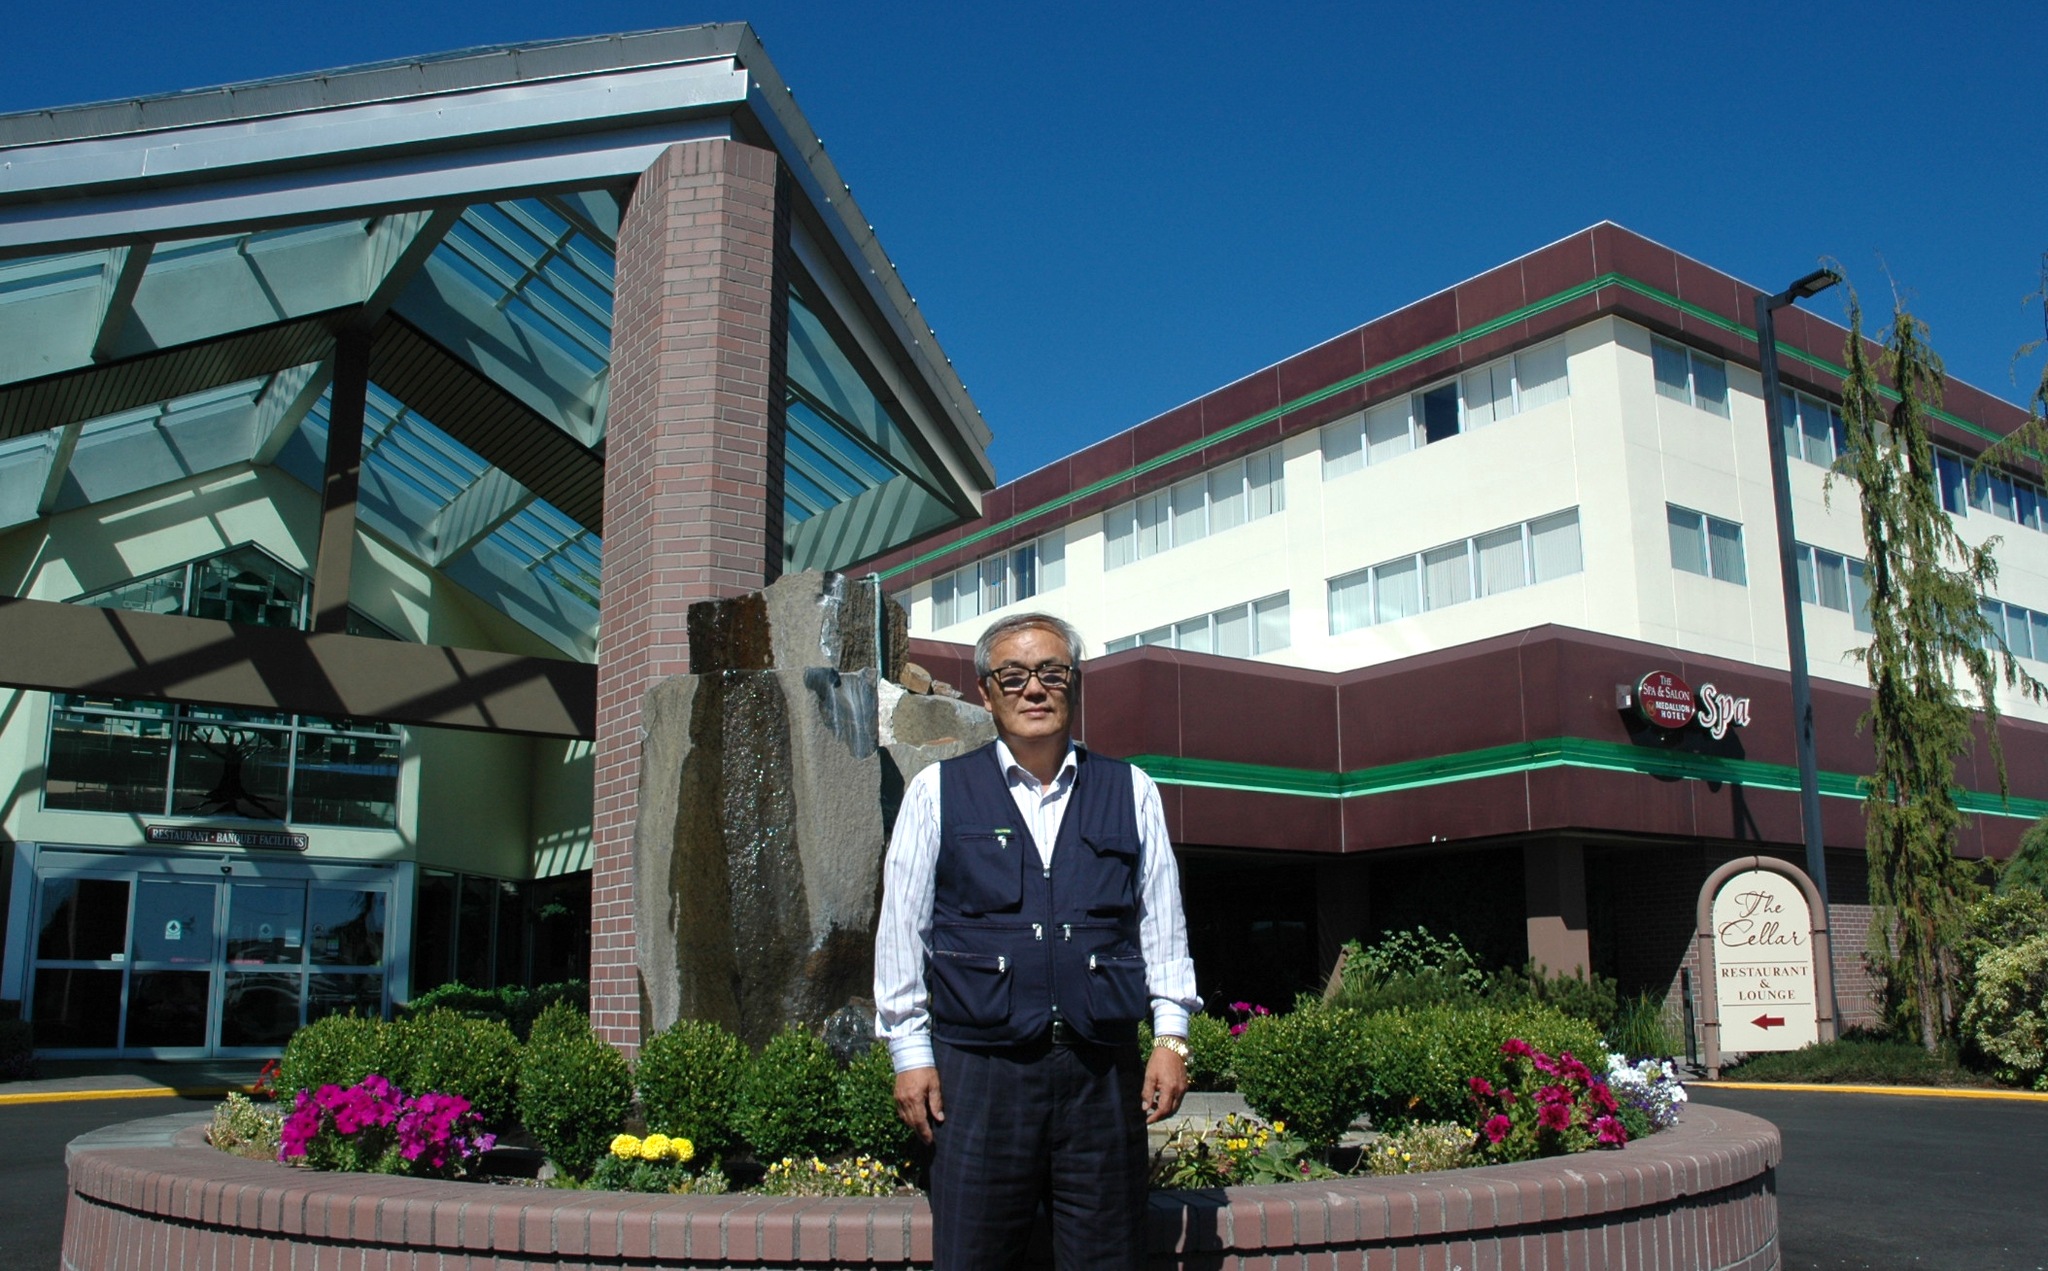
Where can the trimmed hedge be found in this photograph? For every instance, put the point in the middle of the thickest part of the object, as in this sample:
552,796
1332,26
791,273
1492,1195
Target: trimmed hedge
575,1091
1306,1068
689,1079
867,1104
789,1099
514,1006
1418,1059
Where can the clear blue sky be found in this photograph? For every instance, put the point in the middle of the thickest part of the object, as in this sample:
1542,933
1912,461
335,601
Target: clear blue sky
1106,210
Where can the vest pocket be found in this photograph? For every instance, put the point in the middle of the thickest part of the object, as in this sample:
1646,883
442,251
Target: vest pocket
1114,888
1116,987
969,988
983,873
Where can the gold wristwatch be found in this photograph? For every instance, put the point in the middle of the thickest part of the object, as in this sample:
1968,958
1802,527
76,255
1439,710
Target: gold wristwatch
1177,1045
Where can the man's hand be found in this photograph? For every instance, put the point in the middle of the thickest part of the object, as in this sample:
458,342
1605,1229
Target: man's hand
918,1102
1166,1080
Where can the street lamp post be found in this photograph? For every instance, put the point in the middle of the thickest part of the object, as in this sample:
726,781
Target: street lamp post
1788,572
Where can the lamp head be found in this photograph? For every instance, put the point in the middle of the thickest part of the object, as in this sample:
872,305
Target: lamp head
1813,284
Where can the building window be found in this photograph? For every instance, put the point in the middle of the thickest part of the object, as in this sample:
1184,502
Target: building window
1813,430
1834,581
1706,545
1988,490
171,759
1240,631
1534,377
1484,565
1690,377
1221,499
1021,573
2024,632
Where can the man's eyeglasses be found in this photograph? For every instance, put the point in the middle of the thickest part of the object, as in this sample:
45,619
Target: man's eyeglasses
1056,677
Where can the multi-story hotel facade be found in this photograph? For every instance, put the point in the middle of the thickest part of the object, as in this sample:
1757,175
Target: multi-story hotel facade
1373,617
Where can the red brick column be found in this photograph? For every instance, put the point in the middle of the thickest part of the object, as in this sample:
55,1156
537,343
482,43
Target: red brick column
692,481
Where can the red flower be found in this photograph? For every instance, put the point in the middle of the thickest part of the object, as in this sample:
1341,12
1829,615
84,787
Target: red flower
1604,1097
1496,1128
1554,1116
1516,1048
1610,1131
1481,1087
1550,1095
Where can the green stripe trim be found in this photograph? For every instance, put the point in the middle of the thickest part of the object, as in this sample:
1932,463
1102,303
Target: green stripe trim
1533,756
1306,400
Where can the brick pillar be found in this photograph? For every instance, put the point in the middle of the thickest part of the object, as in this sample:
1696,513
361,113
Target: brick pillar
693,488
1554,890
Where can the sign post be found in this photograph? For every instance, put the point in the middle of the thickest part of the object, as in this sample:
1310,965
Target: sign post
1763,942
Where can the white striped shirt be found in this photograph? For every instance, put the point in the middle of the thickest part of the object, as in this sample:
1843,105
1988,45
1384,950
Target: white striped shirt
909,877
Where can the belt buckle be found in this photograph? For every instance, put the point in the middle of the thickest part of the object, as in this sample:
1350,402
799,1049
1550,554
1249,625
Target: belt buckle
1062,1033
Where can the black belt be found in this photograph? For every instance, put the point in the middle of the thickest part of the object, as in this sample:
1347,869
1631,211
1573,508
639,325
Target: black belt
1063,1034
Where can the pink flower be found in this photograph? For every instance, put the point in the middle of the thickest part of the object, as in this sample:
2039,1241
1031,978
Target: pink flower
1235,1029
1516,1048
1573,1068
1554,1116
1610,1132
1545,1064
1481,1087
1496,1128
1604,1097
1552,1095
1242,1008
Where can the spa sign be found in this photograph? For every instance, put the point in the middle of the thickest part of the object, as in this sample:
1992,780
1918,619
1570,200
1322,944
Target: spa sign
1762,940
1666,701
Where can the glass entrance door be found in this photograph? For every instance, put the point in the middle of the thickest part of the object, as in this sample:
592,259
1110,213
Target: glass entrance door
175,963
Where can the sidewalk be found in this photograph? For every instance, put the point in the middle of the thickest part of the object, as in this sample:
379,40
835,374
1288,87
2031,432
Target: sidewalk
68,1080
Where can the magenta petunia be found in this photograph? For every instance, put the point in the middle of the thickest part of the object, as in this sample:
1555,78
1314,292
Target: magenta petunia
1516,1048
1497,1128
1610,1131
1554,1116
1481,1087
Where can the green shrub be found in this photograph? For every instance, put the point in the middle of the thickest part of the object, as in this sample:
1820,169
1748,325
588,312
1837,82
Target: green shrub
2028,867
1856,1059
1417,1149
1408,968
867,1105
243,1127
339,1050
2006,1017
1211,1054
1641,1031
514,1006
1419,1059
449,1053
1306,1069
689,1078
575,1090
789,1099
1593,998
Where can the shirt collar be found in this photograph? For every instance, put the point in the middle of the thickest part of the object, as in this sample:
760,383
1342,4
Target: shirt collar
1015,771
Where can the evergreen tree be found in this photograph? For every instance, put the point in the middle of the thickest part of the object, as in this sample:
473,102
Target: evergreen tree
1927,625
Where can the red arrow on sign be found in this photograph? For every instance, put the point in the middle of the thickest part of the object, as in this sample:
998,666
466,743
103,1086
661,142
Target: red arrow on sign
1769,1021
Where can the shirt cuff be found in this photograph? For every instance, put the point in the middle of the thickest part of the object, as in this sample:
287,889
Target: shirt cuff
1169,1019
915,1051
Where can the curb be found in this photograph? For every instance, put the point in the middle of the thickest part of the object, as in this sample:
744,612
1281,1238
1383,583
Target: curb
123,1092
1917,1092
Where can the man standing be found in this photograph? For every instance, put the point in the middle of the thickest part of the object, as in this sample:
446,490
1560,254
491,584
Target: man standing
1030,917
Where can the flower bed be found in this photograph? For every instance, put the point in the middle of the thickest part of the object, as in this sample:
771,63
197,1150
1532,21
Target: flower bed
153,1195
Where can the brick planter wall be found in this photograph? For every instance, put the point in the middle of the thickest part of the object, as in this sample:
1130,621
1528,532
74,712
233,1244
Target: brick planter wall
151,1196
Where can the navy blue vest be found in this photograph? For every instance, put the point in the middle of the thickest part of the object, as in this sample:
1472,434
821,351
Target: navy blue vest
1016,945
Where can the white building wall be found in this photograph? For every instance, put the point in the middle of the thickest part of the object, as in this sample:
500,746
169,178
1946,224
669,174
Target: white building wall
1614,448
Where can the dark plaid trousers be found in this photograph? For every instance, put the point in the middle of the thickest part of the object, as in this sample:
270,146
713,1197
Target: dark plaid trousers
1039,1123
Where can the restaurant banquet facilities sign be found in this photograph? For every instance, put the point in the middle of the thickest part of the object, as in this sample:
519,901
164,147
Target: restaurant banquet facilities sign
1763,944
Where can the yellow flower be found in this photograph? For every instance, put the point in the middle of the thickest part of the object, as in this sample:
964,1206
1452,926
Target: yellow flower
682,1149
1279,1127
625,1147
654,1147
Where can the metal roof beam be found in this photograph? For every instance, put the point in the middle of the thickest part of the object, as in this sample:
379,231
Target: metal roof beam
124,276
64,443
472,516
286,400
64,648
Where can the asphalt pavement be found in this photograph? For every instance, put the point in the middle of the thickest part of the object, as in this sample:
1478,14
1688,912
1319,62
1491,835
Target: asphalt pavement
1889,1182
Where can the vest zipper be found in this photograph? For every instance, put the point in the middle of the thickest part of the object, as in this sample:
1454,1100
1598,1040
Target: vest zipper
1037,931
